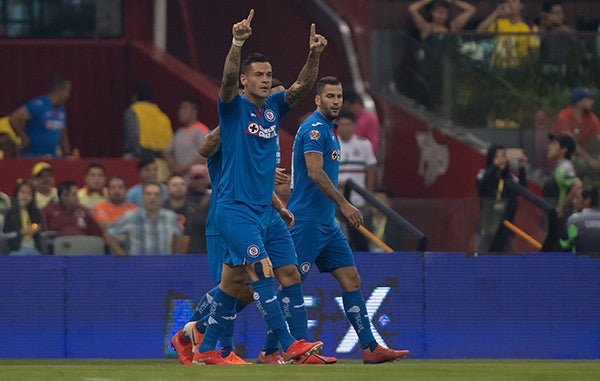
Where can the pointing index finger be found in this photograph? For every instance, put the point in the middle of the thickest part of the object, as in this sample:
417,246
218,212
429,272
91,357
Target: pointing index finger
250,16
312,30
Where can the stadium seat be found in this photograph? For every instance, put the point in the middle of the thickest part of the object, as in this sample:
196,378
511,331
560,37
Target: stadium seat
78,245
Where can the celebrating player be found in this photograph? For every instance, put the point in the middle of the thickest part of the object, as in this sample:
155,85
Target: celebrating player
317,237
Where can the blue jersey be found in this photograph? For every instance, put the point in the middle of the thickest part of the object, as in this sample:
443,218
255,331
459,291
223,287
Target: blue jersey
44,127
306,201
249,146
214,171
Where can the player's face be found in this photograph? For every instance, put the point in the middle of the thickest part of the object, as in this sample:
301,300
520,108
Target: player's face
117,191
329,102
64,94
257,81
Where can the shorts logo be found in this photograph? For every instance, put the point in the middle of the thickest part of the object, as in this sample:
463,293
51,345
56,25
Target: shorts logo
305,267
335,154
315,135
253,251
269,115
253,128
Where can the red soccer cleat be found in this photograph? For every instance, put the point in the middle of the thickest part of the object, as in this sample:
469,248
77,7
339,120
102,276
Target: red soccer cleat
211,357
300,349
381,354
183,347
271,358
317,359
234,359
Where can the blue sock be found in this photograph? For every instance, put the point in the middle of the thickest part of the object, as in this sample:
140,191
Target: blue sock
291,299
202,309
270,309
271,343
226,339
222,311
356,312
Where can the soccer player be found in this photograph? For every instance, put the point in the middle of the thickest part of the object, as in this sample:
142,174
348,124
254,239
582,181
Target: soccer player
317,237
249,128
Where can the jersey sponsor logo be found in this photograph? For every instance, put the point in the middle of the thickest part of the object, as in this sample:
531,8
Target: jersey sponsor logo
253,251
335,154
270,115
305,267
315,135
256,129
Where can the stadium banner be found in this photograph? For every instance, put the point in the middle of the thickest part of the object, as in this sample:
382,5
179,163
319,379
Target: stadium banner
438,305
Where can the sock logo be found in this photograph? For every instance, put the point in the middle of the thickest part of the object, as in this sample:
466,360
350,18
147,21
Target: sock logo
372,305
211,320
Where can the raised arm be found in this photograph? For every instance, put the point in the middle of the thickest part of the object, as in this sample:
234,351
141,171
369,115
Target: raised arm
18,119
231,70
467,11
314,165
484,26
308,75
422,25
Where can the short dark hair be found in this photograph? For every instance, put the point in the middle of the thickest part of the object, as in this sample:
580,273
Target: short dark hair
57,82
145,161
63,187
94,164
144,91
117,178
194,101
152,183
591,193
351,96
346,114
252,58
549,4
387,191
329,80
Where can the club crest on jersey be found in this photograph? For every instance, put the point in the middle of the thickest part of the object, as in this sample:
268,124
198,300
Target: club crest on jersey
256,129
335,154
253,251
269,115
315,135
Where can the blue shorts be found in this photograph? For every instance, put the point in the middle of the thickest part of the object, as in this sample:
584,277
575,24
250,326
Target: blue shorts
240,225
218,252
278,241
324,245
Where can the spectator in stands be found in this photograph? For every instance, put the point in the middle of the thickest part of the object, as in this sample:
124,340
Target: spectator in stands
191,216
366,122
9,141
199,184
24,222
43,181
497,201
148,170
94,190
42,122
578,121
556,41
147,129
562,186
383,228
514,40
553,17
68,216
357,162
182,151
583,227
436,18
150,229
107,212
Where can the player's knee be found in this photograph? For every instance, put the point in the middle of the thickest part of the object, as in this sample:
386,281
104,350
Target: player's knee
262,269
287,275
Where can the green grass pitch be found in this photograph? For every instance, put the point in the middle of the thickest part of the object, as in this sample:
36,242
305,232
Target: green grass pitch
413,370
